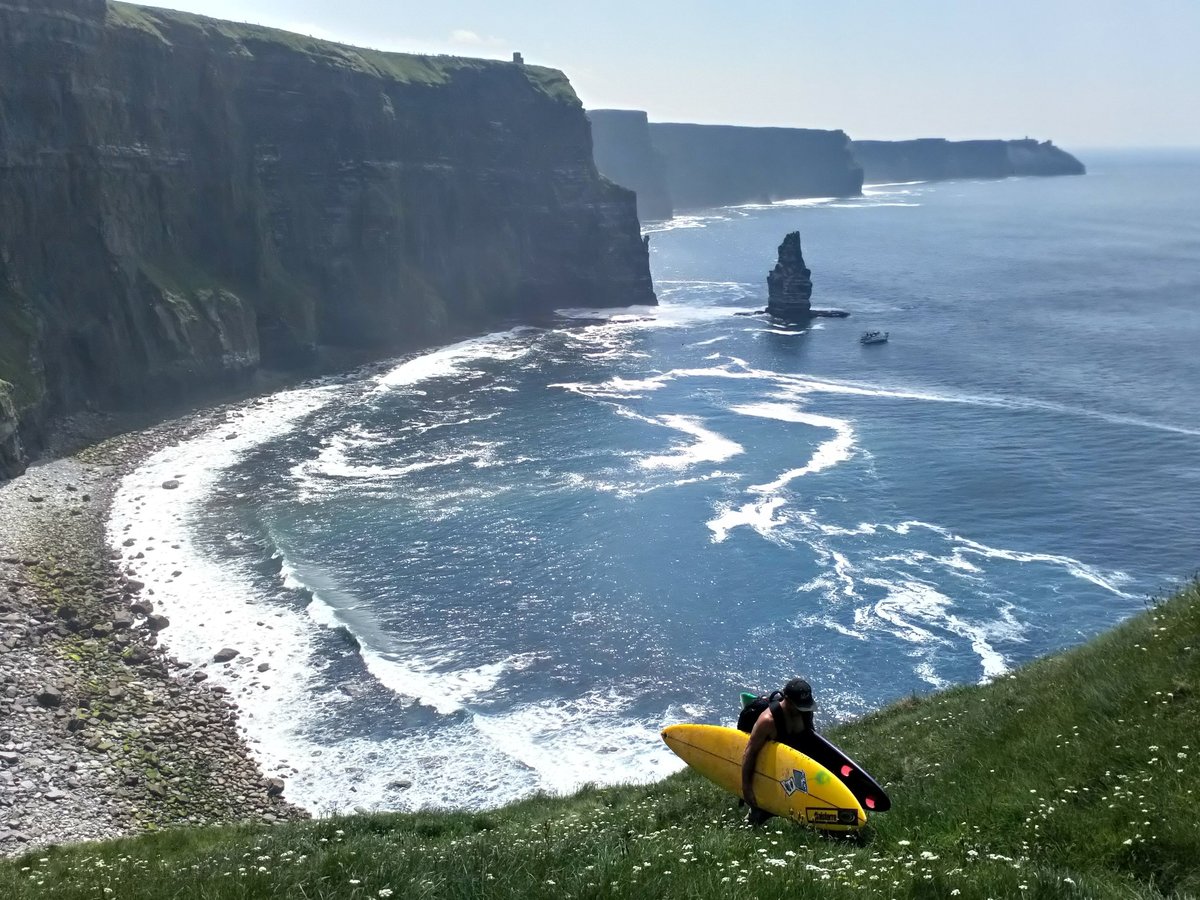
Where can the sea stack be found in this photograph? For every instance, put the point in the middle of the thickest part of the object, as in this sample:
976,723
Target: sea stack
789,286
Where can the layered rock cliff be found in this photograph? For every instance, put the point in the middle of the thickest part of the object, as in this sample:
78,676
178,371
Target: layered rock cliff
789,284
936,159
724,165
12,455
624,154
187,200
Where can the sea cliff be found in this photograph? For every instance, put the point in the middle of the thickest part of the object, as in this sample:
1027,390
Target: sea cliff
724,165
621,141
675,166
937,159
194,201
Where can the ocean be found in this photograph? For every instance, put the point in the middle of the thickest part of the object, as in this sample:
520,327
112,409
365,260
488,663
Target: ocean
502,566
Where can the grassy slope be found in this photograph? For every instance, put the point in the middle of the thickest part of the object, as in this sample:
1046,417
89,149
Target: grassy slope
407,68
1077,776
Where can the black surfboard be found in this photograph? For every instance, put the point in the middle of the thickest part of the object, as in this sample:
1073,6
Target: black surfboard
866,790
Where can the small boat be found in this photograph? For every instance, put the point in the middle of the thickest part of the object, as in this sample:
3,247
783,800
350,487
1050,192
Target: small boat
873,337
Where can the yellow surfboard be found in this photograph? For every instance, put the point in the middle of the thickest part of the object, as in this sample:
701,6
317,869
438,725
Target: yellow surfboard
786,782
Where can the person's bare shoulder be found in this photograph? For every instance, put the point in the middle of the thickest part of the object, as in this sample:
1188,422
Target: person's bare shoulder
764,728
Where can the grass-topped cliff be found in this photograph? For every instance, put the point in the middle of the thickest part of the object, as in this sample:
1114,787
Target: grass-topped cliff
195,201
168,26
1077,776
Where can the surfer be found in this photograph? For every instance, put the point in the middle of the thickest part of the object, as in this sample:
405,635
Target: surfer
785,716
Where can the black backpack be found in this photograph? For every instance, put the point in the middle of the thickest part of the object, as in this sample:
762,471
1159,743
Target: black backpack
752,710
755,708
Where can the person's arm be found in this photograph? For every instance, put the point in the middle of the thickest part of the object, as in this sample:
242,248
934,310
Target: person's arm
763,731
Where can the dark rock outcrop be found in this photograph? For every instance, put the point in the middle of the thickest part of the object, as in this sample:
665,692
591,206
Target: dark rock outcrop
936,159
724,165
194,200
624,154
789,285
12,456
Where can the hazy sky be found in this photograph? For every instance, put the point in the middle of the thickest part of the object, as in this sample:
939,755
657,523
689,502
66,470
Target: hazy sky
1086,73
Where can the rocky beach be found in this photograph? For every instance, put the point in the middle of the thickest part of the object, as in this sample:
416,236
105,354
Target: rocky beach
103,734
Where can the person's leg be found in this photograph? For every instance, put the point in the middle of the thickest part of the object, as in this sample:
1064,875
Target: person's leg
758,816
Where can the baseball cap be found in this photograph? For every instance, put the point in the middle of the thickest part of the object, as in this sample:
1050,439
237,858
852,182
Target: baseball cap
799,694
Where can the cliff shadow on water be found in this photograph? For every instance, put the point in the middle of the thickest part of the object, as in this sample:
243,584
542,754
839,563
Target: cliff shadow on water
197,200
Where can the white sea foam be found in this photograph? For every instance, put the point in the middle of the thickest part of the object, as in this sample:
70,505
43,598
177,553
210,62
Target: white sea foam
791,202
682,222
1108,581
837,449
628,489
540,737
927,673
758,516
616,388
435,682
878,186
869,204
911,608
708,446
627,319
451,361
207,606
917,612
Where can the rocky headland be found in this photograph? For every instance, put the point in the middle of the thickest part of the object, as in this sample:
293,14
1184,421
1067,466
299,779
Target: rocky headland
683,166
201,201
937,159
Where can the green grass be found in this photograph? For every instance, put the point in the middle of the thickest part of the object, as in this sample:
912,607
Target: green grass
242,39
1076,776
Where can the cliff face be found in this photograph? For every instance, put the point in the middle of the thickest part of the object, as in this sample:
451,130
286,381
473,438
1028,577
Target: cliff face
624,154
723,165
11,454
191,199
936,159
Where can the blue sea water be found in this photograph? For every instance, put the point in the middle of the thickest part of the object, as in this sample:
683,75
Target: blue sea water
504,565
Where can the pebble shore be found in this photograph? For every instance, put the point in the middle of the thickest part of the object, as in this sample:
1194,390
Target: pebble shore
98,737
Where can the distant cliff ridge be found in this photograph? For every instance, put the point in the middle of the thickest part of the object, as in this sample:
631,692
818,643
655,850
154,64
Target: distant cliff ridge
624,154
724,165
188,200
936,159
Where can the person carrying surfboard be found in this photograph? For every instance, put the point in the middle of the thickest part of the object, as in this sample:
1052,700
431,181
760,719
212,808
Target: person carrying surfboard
786,718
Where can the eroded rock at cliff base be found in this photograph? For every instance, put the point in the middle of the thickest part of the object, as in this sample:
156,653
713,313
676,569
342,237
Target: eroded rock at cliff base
789,285
12,456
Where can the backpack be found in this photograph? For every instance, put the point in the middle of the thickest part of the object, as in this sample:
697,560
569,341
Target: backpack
755,708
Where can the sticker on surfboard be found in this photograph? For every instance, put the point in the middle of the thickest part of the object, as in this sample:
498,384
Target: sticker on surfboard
798,782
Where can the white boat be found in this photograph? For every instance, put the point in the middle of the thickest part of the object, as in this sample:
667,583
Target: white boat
873,337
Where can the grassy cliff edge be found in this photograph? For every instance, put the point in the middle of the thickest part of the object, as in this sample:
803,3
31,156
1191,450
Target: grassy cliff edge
240,38
1075,776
